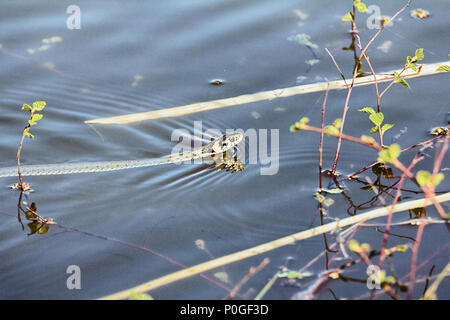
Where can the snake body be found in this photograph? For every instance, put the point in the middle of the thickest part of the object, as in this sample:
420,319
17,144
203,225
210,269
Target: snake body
217,146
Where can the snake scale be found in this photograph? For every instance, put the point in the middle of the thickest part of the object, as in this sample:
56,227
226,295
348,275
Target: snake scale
217,146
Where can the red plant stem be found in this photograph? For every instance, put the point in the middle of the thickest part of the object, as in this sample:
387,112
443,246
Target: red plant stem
389,219
321,138
380,132
440,157
337,67
355,71
415,252
19,172
403,150
373,145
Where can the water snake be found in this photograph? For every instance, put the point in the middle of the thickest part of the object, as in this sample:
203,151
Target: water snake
217,146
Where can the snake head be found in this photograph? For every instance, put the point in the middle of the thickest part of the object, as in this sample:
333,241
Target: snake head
226,142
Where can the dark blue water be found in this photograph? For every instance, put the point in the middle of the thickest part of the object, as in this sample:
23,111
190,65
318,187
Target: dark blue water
140,56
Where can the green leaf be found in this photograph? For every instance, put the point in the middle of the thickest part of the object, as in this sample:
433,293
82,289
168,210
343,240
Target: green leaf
328,202
361,7
222,276
347,17
412,66
333,190
139,296
30,214
389,279
367,110
29,135
291,274
444,68
377,118
386,127
366,188
43,229
374,130
353,245
332,130
381,169
368,139
36,117
402,81
337,123
299,125
390,154
437,179
26,107
423,178
39,105
319,197
419,54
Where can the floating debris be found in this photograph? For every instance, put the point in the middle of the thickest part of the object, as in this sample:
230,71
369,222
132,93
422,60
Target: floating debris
420,13
300,79
200,244
48,65
303,38
51,40
216,82
256,115
26,187
44,47
279,109
312,62
385,46
137,78
301,15
46,44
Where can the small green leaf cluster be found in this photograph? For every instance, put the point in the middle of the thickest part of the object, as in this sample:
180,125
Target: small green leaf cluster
298,126
34,117
398,248
389,154
326,201
381,278
35,225
333,128
377,119
292,274
358,5
444,68
410,61
354,246
426,179
410,64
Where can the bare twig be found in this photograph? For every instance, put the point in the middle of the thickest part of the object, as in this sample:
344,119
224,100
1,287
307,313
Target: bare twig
251,272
